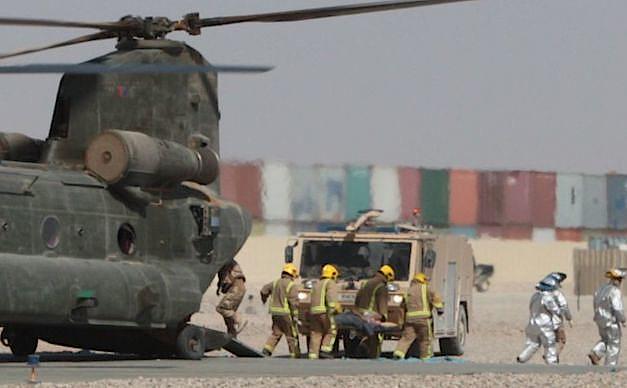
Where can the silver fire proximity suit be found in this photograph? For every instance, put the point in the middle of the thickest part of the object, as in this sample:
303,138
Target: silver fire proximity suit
608,315
541,327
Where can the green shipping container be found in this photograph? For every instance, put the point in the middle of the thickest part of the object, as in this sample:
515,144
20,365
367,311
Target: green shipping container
357,190
434,194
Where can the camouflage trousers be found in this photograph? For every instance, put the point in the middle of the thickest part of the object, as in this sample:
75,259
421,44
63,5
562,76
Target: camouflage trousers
419,331
228,307
322,334
283,325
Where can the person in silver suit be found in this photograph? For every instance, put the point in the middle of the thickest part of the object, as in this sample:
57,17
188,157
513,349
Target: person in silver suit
609,316
559,320
541,327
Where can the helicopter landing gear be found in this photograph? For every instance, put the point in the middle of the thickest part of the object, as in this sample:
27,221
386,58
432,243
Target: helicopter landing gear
21,342
190,343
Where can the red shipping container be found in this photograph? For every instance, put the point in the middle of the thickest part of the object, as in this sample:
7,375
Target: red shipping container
490,231
464,197
491,197
241,183
517,232
542,199
517,209
564,234
409,185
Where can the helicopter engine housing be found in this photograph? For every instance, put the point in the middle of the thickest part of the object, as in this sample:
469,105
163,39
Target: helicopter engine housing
136,159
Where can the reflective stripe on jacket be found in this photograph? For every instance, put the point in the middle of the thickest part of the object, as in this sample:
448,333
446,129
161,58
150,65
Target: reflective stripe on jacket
419,301
284,299
324,297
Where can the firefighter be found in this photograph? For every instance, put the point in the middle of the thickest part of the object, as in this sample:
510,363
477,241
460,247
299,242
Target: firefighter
541,328
560,333
231,283
284,310
609,316
372,305
419,302
324,305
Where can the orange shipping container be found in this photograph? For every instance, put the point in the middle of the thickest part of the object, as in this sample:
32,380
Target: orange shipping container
464,197
409,184
563,234
241,183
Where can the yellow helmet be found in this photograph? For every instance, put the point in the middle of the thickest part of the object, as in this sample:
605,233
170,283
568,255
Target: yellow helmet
330,272
388,272
615,273
290,269
421,277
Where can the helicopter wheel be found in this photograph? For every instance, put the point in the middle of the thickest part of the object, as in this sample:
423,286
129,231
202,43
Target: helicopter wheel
21,342
190,343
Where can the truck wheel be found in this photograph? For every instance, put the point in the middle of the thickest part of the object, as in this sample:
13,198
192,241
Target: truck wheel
190,343
22,343
454,346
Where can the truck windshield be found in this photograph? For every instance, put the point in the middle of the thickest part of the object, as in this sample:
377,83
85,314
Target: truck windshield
355,260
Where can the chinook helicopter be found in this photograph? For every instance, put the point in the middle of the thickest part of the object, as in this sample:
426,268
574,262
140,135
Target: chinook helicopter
112,229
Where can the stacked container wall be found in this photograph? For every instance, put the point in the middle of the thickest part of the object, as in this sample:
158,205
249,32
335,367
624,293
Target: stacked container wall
594,202
491,201
434,195
409,183
569,197
305,185
517,204
332,193
386,193
357,190
617,201
542,193
241,183
276,192
463,197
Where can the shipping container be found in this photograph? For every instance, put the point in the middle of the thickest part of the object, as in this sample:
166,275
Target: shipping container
569,197
569,234
466,231
241,183
386,193
409,184
542,199
594,211
304,193
490,231
434,195
276,192
463,197
278,229
332,194
617,201
543,235
517,232
357,190
491,197
517,204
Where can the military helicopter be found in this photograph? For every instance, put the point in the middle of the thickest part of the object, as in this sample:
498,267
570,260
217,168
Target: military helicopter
112,229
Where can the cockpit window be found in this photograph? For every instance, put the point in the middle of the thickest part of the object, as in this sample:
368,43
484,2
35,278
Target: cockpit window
355,260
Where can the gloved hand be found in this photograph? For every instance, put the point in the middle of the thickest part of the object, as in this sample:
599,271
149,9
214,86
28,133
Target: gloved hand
218,291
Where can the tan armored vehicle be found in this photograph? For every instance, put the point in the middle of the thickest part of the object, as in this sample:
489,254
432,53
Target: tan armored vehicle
360,250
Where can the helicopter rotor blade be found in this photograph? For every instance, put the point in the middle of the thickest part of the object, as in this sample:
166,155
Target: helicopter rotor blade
324,12
81,39
130,68
108,26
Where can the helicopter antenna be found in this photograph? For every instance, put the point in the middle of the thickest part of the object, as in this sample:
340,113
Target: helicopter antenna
131,27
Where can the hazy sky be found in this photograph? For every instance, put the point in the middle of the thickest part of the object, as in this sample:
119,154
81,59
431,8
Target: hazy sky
528,84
